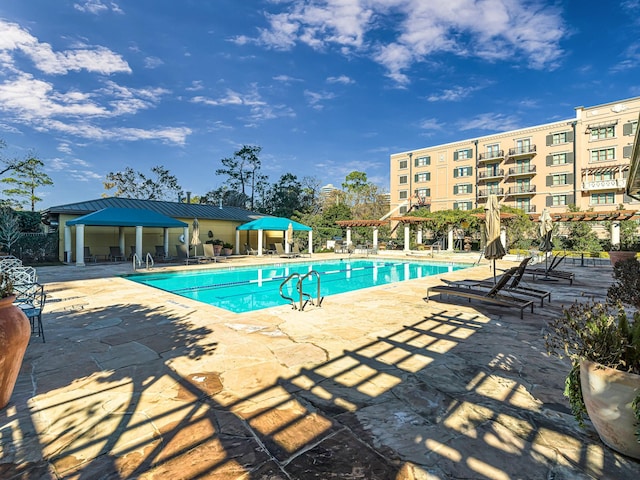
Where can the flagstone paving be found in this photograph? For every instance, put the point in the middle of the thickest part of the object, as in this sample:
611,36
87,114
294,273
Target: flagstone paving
376,384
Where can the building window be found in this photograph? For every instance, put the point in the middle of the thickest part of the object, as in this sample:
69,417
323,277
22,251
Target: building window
559,179
603,132
423,192
599,177
559,159
629,128
422,161
403,164
462,188
403,210
423,177
607,198
604,154
403,195
463,154
558,200
523,204
462,205
558,138
403,179
493,151
462,172
523,145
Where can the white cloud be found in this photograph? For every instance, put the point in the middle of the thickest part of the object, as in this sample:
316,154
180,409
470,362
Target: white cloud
431,124
495,122
340,79
97,7
97,59
153,62
400,33
287,79
453,94
315,98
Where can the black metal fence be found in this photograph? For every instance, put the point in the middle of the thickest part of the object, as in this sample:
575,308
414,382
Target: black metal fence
33,248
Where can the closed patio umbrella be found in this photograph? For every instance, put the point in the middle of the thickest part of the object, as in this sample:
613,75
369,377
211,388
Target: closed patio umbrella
195,237
546,231
290,234
494,248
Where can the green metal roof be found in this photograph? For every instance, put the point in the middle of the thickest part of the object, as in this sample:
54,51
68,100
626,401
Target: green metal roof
273,223
127,217
170,209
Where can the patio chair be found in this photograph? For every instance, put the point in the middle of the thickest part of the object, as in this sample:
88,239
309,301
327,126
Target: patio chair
550,271
250,251
493,296
30,298
209,253
281,253
296,251
515,286
88,257
115,254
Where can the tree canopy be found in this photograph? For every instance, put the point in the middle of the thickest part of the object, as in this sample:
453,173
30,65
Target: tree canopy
131,184
27,176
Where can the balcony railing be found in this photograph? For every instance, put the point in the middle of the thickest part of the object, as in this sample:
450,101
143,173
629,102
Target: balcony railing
522,151
522,170
497,173
615,183
485,192
521,190
493,155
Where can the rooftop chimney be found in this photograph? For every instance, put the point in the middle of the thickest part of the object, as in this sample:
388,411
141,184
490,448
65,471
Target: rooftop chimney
188,197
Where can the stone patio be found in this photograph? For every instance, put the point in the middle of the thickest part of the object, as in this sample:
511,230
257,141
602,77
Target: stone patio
377,384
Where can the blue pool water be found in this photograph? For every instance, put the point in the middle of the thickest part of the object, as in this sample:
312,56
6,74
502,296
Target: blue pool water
245,289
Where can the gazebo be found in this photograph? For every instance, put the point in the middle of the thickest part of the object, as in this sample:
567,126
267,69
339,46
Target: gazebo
273,224
120,217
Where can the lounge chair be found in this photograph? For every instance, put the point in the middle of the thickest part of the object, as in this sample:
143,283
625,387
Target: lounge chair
160,254
515,286
250,251
209,253
183,254
88,257
296,251
115,254
493,296
550,271
280,251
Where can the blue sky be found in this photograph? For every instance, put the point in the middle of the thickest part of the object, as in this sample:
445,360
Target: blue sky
324,87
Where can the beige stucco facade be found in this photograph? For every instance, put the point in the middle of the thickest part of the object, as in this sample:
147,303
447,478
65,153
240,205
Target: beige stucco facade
582,160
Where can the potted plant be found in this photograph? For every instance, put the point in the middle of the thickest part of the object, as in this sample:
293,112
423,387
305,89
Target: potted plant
603,344
227,249
15,331
217,246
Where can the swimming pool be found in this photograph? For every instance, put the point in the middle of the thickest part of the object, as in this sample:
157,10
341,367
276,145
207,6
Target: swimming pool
245,289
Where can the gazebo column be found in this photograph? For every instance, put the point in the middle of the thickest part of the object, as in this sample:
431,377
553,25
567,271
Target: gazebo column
450,239
348,236
165,242
237,242
419,235
185,233
121,241
615,233
260,242
375,239
407,237
67,244
79,245
310,242
139,242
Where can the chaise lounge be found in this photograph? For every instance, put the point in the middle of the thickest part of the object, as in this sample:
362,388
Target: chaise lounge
492,296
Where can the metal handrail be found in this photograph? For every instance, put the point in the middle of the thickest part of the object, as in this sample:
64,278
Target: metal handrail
318,297
284,282
135,260
149,258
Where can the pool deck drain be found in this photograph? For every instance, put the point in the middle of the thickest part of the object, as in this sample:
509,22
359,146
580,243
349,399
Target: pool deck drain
376,384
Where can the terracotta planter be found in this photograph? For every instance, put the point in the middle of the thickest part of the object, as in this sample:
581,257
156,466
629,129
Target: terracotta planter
15,331
619,256
227,252
608,394
217,249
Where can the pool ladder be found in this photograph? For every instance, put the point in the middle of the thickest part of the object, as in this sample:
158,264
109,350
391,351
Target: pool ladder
304,297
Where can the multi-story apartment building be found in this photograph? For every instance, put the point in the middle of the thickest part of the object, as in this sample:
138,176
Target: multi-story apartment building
582,161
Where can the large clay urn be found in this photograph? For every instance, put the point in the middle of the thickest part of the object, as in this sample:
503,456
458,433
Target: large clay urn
608,394
15,332
616,256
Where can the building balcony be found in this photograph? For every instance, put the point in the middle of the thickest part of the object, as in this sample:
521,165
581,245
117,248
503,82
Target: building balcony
615,184
490,174
491,156
521,190
522,152
485,192
522,171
